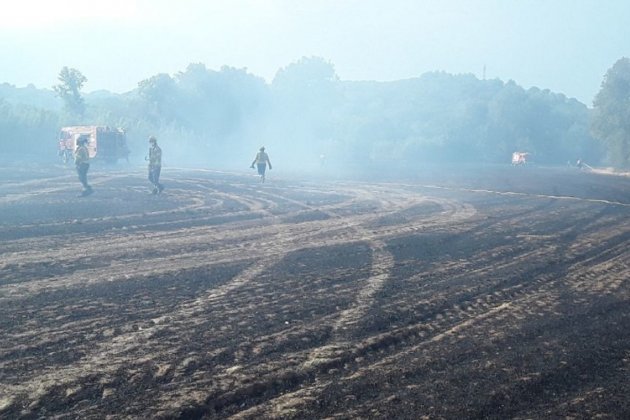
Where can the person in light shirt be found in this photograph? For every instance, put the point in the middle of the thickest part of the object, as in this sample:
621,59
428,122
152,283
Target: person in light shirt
82,163
261,161
155,165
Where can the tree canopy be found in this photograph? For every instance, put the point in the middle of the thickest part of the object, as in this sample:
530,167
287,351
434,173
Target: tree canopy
216,116
611,116
69,90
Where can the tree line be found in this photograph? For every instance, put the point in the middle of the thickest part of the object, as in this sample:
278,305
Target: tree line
306,112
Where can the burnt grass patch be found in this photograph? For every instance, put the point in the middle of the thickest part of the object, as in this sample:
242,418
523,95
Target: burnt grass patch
406,215
96,313
520,311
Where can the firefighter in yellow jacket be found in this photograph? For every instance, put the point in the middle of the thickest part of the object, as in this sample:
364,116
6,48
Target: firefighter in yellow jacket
155,165
261,160
82,163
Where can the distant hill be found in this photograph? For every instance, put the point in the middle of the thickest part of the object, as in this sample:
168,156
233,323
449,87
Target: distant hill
30,95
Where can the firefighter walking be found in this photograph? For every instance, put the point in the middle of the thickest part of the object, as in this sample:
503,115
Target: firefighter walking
155,165
82,163
261,160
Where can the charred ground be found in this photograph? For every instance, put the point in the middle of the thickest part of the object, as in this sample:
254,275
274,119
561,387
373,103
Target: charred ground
497,292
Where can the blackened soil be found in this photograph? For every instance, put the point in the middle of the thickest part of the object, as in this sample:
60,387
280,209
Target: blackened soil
493,292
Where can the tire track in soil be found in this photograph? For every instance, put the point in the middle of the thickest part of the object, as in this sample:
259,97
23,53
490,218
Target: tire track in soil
535,299
15,197
120,344
326,355
468,313
187,311
338,349
110,246
401,343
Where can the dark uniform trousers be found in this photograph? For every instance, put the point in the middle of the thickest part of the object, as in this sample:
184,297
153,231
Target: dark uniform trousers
82,170
154,175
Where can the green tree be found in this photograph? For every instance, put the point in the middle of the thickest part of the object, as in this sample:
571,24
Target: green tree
305,97
25,129
306,71
611,113
69,90
160,94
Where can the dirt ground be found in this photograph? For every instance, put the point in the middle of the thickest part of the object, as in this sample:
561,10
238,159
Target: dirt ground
493,292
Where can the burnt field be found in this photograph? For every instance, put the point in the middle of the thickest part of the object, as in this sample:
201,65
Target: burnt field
499,292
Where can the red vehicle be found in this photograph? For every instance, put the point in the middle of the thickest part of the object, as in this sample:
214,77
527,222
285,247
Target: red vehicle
104,143
519,158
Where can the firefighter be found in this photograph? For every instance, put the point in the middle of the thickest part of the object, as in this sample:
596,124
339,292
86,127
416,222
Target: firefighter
82,163
155,165
261,160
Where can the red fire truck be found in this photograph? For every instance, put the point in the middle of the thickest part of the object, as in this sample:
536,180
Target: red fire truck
519,158
104,143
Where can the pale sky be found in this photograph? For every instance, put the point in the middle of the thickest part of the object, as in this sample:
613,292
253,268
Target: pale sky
562,45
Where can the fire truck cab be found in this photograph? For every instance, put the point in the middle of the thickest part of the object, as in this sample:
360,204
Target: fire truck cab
104,143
